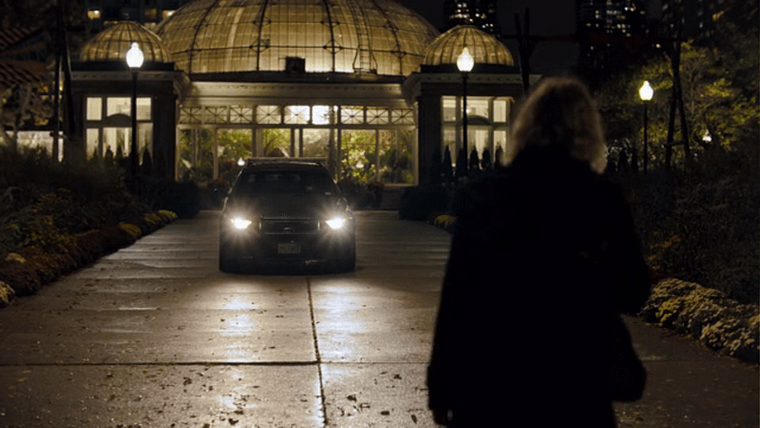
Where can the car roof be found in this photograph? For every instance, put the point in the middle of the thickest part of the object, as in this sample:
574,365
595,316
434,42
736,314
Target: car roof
280,165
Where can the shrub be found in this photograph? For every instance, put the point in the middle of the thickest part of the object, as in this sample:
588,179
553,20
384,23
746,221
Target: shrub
701,224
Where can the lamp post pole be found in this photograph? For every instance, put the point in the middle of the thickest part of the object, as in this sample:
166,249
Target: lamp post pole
645,93
134,61
465,63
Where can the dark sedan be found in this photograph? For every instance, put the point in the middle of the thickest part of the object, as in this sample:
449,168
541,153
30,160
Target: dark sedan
286,213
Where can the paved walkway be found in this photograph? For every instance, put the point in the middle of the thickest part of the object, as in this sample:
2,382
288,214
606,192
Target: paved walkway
155,336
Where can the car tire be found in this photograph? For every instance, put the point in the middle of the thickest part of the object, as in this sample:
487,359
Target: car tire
347,261
227,261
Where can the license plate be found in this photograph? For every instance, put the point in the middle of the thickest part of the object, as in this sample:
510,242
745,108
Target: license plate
288,248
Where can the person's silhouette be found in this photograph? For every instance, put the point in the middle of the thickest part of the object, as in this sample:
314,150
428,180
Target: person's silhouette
544,260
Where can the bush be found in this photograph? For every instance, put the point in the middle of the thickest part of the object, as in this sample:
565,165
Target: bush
56,217
701,224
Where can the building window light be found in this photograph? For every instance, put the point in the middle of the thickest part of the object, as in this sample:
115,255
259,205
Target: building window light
93,14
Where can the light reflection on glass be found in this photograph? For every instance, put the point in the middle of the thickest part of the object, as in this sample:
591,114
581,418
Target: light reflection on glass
321,115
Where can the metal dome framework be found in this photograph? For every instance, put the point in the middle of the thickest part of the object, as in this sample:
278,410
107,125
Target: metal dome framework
484,48
338,36
112,44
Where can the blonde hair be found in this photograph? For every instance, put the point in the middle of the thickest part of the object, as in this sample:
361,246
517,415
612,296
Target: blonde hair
560,112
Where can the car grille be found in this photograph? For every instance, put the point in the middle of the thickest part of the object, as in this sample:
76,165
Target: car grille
289,226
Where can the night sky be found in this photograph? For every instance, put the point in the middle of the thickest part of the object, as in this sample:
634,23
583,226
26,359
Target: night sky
547,17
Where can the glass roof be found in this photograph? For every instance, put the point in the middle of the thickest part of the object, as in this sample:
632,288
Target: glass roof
344,36
484,48
113,43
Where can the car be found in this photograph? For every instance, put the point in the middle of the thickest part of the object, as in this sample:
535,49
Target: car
286,213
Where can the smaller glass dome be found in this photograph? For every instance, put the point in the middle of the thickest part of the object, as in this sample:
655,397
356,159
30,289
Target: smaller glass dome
484,48
113,43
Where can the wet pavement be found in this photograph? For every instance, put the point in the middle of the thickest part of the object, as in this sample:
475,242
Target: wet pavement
155,336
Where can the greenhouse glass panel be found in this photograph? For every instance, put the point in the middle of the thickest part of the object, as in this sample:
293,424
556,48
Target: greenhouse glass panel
94,108
402,116
196,156
232,145
449,105
352,115
500,110
316,143
297,114
378,115
118,105
396,156
143,108
93,143
275,142
359,155
268,114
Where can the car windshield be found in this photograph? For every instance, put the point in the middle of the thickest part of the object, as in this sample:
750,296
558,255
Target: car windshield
290,182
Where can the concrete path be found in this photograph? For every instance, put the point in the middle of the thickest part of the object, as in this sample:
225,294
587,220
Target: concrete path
155,336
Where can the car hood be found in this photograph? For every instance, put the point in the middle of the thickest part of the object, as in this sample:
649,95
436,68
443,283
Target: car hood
286,205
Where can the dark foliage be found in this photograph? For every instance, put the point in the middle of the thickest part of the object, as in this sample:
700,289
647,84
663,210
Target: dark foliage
701,224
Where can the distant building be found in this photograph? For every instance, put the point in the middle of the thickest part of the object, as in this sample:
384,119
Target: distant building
603,25
368,85
102,13
480,13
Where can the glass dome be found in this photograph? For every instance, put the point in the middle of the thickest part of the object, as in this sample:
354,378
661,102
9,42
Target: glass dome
484,48
113,43
343,36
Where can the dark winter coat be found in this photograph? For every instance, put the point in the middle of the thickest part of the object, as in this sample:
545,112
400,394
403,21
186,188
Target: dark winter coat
545,257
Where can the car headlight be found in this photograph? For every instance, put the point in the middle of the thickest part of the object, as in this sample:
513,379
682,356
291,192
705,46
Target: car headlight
336,223
240,223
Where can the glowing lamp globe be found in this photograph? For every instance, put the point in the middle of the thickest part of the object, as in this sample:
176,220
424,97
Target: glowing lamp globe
465,61
134,56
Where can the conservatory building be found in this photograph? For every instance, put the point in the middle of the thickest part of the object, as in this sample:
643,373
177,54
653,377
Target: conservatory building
368,85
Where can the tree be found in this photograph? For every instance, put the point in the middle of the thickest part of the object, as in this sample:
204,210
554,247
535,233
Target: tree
714,105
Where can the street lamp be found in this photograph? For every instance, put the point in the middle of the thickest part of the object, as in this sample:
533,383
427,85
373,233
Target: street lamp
134,61
465,64
645,93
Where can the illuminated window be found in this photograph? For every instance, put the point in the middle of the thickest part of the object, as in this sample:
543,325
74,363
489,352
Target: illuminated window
449,109
500,110
93,143
93,14
268,114
122,105
297,114
117,106
94,108
352,115
320,115
241,114
402,116
143,108
377,115
166,13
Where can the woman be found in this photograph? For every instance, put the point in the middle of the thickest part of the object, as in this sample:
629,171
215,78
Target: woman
544,260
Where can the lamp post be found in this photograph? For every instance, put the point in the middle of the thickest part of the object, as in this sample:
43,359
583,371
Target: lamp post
645,93
134,61
464,64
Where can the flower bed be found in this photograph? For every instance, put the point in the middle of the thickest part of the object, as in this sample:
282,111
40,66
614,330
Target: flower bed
23,272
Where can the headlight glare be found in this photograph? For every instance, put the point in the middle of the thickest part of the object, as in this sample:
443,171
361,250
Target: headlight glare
240,223
336,223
